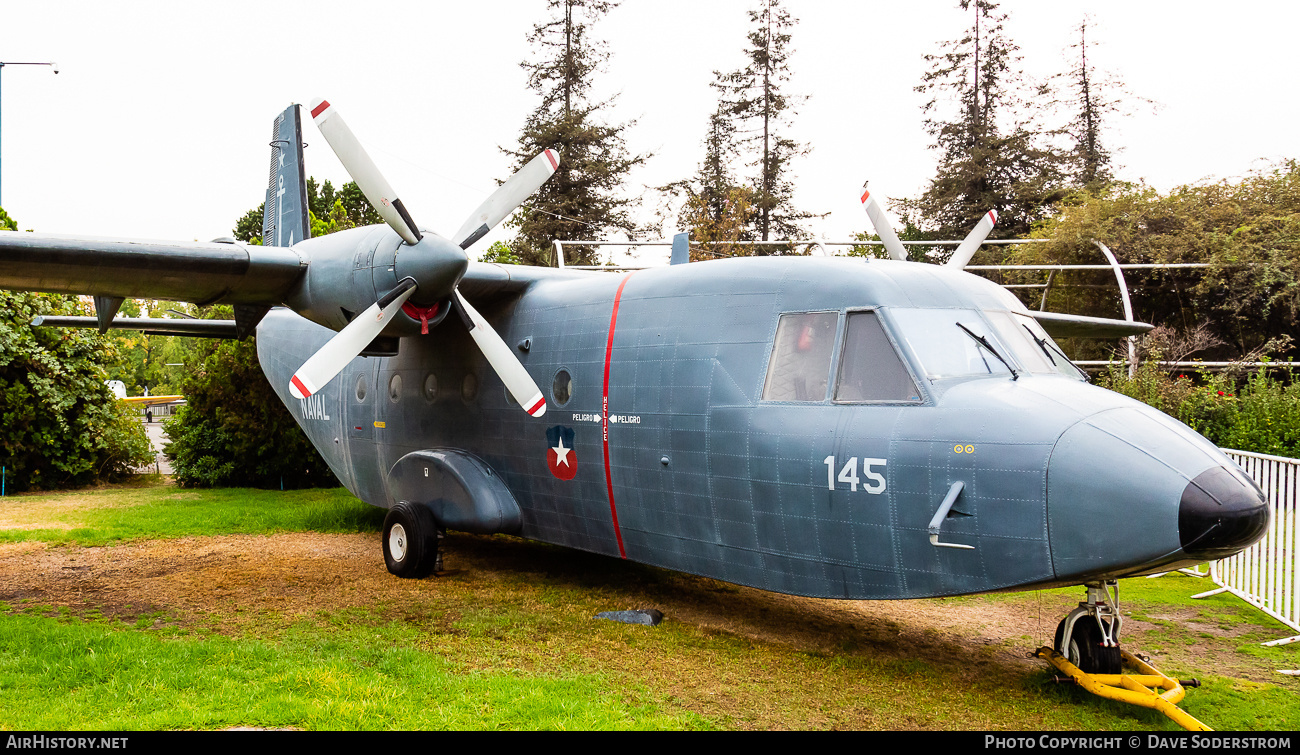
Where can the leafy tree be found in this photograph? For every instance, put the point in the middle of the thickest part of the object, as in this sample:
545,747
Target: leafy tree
501,253
987,160
345,208
329,210
7,223
759,111
1248,230
582,199
248,228
59,424
234,430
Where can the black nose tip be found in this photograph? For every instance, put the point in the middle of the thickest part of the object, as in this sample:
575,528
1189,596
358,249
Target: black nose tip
1220,514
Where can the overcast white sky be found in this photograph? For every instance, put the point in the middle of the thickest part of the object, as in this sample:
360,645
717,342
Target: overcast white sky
157,125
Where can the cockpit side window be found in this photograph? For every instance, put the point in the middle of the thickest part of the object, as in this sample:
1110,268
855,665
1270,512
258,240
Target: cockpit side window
870,368
801,357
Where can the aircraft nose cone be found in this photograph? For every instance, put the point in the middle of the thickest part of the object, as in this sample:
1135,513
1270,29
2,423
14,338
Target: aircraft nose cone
1220,513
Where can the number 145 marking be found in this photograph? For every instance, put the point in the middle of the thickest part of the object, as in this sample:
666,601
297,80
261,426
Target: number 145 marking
872,482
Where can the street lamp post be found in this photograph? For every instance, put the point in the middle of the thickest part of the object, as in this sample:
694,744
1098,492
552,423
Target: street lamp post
3,63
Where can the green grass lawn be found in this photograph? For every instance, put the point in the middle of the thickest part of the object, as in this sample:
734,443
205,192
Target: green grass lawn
116,514
508,642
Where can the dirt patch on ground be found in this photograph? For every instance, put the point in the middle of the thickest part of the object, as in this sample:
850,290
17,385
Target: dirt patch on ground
247,585
224,581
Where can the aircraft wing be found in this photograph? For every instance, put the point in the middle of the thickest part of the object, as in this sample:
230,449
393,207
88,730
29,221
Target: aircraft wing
487,280
1078,326
203,273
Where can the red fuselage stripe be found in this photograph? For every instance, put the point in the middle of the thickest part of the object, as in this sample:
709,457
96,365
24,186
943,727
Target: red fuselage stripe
604,416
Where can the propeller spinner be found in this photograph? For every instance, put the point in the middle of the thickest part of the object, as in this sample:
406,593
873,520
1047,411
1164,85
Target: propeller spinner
431,267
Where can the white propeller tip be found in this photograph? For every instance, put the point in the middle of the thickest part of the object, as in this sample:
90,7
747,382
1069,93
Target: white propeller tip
537,407
319,106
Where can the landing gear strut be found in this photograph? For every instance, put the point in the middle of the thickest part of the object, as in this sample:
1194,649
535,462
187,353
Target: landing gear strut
1088,636
1087,649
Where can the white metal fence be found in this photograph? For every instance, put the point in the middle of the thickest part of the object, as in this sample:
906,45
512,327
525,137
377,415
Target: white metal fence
1267,574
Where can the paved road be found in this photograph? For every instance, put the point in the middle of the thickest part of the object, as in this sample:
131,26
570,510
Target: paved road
158,438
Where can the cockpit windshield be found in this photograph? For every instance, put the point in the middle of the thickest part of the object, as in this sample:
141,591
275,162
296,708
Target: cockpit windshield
942,348
1031,345
936,337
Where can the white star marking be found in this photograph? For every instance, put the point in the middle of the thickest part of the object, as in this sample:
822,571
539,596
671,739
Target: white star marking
561,453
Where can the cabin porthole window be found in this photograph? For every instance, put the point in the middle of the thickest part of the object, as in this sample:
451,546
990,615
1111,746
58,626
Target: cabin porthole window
395,388
562,387
361,388
430,387
469,387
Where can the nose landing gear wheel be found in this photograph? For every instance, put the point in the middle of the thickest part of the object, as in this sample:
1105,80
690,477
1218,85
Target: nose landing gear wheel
1086,649
410,541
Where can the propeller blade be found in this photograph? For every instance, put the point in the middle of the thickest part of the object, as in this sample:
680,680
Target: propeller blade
344,347
971,243
883,229
363,170
507,197
503,360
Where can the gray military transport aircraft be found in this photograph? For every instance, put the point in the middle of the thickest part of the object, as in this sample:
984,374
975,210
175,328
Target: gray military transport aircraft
828,427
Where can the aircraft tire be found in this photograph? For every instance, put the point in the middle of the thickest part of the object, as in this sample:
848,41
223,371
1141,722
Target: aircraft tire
410,540
1086,650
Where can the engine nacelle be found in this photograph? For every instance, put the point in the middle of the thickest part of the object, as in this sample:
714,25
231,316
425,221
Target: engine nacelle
350,270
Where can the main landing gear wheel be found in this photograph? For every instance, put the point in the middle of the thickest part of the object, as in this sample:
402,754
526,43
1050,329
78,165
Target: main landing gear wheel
410,541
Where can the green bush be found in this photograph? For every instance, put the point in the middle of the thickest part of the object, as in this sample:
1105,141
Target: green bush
1259,413
235,432
60,426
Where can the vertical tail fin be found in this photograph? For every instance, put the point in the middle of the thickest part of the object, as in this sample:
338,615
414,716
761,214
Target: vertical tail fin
285,221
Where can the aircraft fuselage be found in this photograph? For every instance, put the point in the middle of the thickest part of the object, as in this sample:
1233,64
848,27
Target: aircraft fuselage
683,443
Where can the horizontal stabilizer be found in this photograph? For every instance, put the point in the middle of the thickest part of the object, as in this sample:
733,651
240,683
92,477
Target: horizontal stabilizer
1078,326
154,326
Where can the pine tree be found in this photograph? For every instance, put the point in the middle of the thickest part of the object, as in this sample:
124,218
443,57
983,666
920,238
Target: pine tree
582,199
1091,98
760,111
716,209
989,160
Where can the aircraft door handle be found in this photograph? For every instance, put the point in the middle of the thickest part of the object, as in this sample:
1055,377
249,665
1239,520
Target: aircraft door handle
937,520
